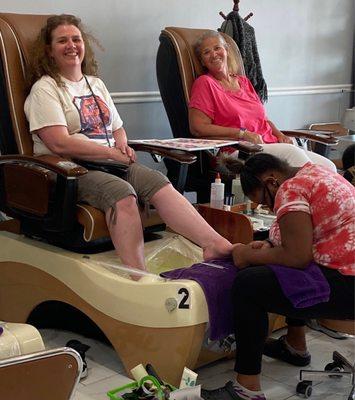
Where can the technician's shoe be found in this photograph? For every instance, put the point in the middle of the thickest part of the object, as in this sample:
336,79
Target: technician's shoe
278,349
228,392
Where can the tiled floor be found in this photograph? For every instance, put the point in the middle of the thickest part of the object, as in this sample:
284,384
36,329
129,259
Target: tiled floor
278,379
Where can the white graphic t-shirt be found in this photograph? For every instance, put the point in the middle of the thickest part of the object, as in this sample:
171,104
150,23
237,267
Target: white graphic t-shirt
73,106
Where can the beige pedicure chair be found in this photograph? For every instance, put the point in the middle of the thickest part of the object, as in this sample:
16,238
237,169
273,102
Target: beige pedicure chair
150,320
54,250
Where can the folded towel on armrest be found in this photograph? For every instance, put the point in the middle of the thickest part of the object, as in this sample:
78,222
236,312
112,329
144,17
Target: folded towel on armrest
303,287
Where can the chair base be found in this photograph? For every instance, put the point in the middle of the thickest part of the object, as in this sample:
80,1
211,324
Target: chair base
340,367
133,343
133,316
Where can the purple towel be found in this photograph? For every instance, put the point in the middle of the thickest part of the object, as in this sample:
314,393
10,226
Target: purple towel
303,288
217,286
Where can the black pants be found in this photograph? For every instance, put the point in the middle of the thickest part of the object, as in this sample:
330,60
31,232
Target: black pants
257,291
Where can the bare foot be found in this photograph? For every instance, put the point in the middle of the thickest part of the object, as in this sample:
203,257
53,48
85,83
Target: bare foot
217,250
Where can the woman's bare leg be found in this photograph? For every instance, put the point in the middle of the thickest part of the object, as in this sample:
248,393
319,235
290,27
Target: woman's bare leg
182,217
296,337
251,382
126,232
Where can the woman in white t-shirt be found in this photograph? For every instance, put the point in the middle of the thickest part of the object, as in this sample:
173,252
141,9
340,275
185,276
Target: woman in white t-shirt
71,114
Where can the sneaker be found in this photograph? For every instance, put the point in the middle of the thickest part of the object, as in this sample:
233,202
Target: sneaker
81,348
84,371
278,349
229,392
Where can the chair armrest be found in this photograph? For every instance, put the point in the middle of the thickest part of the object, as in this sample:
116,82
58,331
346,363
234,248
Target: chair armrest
61,166
184,157
316,136
32,198
240,145
248,147
336,128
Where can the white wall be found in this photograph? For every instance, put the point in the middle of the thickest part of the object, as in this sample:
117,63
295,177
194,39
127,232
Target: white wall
302,43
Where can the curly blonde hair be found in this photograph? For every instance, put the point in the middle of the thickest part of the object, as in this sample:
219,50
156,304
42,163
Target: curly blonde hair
42,64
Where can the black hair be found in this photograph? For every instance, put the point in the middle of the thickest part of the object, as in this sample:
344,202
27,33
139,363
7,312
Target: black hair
251,170
348,157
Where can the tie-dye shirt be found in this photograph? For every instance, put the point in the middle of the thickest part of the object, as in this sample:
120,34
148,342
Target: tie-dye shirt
330,201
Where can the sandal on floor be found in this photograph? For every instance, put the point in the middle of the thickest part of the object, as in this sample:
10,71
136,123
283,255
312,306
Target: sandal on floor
81,348
277,348
224,393
227,392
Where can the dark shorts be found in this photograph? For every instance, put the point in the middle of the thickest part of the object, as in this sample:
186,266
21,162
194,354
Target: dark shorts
102,190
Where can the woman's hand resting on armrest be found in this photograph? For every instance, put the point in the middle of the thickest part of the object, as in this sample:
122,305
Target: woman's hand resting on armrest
117,155
251,137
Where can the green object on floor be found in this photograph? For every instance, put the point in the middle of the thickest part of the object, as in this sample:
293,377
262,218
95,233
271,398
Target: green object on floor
118,393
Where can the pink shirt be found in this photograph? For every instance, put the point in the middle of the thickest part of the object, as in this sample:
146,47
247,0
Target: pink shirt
330,201
234,109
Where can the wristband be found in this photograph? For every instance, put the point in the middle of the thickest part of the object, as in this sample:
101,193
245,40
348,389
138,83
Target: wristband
242,133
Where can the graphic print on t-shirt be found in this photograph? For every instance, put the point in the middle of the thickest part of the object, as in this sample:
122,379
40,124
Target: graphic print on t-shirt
90,120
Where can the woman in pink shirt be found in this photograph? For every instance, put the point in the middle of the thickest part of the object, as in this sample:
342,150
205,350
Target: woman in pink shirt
312,241
225,104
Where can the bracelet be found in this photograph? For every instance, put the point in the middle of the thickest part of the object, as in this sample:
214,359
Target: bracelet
269,241
242,133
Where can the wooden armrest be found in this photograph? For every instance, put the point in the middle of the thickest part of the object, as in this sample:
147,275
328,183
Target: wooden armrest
241,145
336,128
181,156
316,136
56,164
248,147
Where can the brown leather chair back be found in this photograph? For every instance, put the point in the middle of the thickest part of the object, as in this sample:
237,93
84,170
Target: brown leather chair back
17,33
190,67
177,68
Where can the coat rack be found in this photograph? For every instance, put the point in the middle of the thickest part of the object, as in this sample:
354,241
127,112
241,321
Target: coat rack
236,9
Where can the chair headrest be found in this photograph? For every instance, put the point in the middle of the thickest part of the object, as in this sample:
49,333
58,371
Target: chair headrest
26,28
183,40
17,34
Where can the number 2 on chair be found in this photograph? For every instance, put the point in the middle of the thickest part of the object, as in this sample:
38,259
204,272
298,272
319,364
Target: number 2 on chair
184,297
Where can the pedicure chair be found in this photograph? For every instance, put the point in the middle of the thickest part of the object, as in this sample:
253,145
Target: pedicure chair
55,250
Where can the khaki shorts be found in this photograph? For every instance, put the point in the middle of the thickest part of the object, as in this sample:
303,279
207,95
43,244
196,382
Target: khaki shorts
102,190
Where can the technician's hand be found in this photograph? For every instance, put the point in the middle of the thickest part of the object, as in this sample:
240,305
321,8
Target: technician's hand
259,244
252,137
241,255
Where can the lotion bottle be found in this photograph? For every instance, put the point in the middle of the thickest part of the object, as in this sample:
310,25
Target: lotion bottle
217,193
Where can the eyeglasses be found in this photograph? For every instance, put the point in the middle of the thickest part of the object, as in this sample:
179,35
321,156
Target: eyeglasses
264,199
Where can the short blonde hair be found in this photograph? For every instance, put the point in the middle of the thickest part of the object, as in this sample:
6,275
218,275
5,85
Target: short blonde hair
233,65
